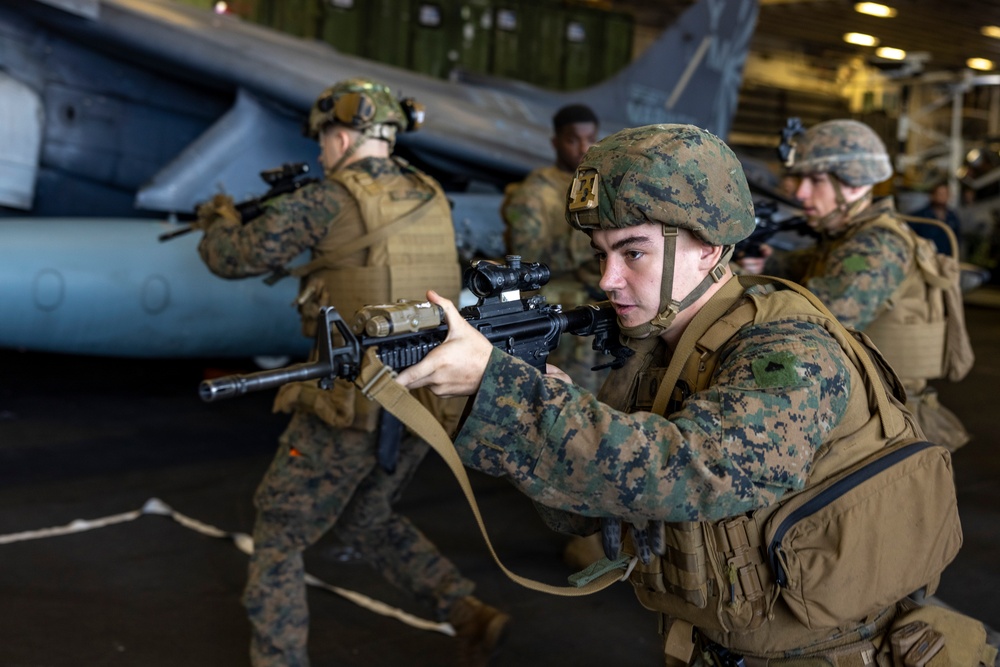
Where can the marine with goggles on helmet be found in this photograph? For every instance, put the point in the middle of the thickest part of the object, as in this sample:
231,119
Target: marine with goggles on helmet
378,230
742,393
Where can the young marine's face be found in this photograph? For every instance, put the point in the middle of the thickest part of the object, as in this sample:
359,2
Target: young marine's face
632,265
817,195
572,142
819,199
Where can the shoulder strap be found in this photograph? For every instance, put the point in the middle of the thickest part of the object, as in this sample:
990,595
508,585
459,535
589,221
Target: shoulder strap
934,222
330,261
377,383
892,422
716,307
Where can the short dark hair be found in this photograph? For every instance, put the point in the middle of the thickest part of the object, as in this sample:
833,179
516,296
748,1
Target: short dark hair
573,113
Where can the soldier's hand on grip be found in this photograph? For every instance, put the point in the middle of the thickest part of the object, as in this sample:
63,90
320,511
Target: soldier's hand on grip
456,367
219,207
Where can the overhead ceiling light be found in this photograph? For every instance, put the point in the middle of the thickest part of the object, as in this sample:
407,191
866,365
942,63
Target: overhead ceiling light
890,53
980,64
860,39
991,31
875,9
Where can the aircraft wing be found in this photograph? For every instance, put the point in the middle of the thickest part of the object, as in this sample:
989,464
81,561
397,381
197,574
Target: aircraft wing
125,109
486,131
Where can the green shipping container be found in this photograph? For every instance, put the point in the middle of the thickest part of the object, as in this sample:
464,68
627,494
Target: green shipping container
508,41
434,36
341,25
387,31
541,61
581,55
296,17
616,44
475,41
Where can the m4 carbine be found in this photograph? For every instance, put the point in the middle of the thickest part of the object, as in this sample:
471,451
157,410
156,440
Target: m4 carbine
404,333
283,180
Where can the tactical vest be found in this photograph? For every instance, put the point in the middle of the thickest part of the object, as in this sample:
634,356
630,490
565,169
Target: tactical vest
409,237
721,576
921,328
410,242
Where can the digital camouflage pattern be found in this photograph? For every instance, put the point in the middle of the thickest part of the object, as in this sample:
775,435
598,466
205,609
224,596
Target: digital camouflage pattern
357,104
327,479
289,226
322,477
676,175
534,213
737,446
848,149
856,272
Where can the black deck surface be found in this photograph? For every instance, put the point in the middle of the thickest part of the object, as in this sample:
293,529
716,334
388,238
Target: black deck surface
86,438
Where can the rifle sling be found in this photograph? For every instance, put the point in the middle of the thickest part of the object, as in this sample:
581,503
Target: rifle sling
377,382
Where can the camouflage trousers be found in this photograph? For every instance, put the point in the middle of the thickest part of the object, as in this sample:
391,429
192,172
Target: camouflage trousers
321,479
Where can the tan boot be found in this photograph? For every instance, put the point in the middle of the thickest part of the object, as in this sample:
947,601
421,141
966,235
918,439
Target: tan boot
480,630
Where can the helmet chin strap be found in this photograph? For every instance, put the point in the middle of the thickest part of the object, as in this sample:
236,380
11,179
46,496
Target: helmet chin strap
844,210
669,308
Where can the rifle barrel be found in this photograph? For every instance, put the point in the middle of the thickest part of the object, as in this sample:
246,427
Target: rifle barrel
230,386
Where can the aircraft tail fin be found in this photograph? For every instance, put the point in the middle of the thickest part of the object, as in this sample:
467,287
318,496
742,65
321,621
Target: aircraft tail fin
691,74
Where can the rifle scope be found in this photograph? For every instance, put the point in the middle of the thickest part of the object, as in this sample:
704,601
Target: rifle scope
486,279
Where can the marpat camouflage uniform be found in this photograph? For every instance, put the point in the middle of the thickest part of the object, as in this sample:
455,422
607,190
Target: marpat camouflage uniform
866,270
769,401
534,211
322,477
854,272
741,444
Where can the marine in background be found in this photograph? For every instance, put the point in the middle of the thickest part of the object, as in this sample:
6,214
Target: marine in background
743,398
873,271
534,212
377,230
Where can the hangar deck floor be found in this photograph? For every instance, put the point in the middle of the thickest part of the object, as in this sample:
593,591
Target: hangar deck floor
84,438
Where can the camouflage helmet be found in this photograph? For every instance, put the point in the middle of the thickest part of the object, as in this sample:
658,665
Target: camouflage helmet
674,175
358,104
848,149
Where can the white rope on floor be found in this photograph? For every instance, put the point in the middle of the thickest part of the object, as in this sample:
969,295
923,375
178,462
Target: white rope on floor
242,541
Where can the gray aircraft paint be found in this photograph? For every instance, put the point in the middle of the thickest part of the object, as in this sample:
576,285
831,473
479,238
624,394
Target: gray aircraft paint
148,107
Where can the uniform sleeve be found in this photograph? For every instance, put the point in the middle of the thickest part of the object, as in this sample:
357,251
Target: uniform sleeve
289,225
861,275
739,445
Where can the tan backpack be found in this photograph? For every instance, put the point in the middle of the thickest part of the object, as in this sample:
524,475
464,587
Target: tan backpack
923,335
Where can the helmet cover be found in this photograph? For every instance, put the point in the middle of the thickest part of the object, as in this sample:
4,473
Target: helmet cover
674,175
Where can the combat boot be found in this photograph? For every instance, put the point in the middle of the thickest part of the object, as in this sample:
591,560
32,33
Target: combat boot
480,630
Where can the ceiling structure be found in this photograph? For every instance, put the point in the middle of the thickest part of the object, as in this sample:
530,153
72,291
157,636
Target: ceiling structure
948,32
800,65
